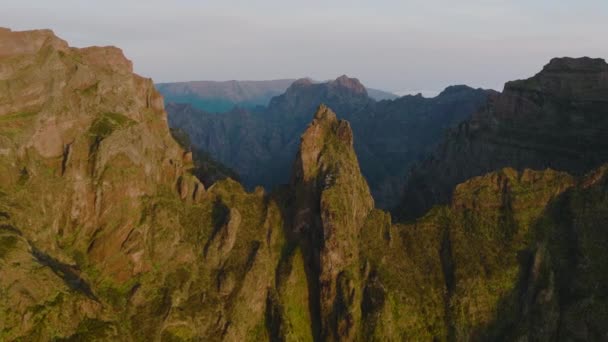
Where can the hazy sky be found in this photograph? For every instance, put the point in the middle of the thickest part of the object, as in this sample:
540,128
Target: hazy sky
398,45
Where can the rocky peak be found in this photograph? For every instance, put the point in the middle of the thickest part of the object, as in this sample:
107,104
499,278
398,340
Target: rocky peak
14,43
343,94
583,64
324,113
101,217
581,79
90,133
324,130
455,89
297,87
110,58
333,200
352,84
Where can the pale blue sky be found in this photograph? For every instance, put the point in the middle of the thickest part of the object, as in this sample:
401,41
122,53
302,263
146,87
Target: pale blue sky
388,44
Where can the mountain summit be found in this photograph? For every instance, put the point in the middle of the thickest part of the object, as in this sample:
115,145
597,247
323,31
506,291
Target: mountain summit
343,94
352,84
103,227
332,201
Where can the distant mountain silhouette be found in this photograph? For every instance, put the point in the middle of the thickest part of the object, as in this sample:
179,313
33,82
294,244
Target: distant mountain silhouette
223,96
214,96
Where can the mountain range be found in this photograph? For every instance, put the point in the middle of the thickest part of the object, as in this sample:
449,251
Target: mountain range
259,145
108,234
221,97
556,119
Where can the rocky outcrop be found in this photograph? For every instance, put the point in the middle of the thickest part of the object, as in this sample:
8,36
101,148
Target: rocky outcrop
499,262
332,201
556,119
81,117
105,233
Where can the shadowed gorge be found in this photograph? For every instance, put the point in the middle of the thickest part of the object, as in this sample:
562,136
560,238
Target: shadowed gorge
115,228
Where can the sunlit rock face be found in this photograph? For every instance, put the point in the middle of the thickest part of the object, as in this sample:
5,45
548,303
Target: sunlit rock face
105,232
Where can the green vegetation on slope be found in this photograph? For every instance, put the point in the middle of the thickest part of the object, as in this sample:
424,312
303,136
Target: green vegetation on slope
105,233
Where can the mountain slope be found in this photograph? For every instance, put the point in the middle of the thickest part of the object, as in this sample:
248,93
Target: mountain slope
260,145
105,235
515,255
493,264
556,119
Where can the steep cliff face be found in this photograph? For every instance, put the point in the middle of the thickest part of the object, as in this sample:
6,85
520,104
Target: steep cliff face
514,256
105,233
332,201
556,119
89,138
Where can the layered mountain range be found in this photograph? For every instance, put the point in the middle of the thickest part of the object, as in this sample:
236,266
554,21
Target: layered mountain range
556,119
223,96
106,234
259,145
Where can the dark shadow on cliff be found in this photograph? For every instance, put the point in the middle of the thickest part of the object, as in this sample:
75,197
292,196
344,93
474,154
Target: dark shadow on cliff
70,274
286,199
561,292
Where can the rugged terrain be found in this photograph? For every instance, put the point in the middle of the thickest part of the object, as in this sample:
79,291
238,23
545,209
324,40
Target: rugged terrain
389,135
556,119
106,234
